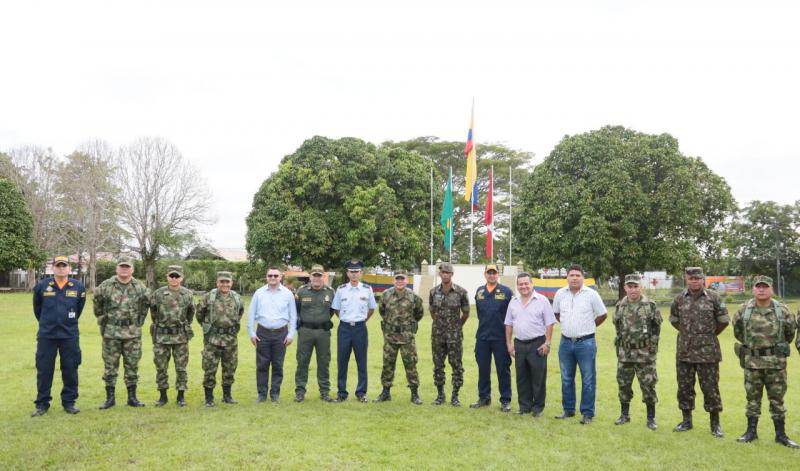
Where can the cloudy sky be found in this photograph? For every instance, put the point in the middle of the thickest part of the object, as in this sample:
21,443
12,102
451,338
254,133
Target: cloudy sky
239,85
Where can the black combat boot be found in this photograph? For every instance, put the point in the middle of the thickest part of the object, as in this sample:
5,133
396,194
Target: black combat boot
384,396
110,399
780,434
226,395
439,396
751,434
180,399
686,424
132,400
162,399
415,397
716,430
210,397
454,398
625,413
651,416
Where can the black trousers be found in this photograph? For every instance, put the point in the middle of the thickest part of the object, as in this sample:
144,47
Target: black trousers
70,352
270,352
531,371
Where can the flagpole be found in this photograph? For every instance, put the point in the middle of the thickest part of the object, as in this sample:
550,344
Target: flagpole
491,240
431,259
452,220
471,226
510,202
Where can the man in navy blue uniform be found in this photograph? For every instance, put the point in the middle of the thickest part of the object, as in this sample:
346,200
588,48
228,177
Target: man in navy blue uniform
491,302
57,305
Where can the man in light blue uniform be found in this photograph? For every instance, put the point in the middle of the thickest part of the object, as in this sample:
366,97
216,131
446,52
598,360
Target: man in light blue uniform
271,324
354,303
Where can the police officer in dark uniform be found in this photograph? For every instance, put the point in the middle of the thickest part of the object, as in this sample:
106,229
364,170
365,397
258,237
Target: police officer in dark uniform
491,302
314,325
57,305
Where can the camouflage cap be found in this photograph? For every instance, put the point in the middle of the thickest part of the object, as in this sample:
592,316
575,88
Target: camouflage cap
317,269
446,267
400,273
175,269
60,260
224,275
124,261
762,280
490,267
354,265
633,279
695,271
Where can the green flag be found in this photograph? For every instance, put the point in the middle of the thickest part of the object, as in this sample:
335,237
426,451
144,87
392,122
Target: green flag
446,220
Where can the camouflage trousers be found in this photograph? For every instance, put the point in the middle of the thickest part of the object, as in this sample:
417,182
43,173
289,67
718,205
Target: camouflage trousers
708,375
648,377
131,352
453,351
408,351
755,380
180,355
213,355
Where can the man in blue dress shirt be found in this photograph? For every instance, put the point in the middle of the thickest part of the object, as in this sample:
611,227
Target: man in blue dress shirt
491,302
354,303
271,323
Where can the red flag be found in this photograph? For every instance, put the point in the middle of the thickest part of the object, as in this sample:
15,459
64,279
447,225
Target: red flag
489,219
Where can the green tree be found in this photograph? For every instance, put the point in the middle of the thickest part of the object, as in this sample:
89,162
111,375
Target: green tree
619,201
764,239
17,249
450,154
332,200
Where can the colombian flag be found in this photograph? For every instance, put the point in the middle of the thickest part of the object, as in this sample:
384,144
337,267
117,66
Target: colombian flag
472,165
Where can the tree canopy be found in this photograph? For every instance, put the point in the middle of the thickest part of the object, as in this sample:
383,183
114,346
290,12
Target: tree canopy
332,200
618,201
17,249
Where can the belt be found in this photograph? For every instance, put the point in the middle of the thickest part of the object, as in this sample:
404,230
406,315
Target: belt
351,324
530,340
316,325
578,339
761,352
169,330
121,322
227,330
273,331
639,344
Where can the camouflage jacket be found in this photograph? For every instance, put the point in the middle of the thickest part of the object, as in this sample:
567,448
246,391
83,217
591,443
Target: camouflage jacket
223,318
121,308
172,312
400,311
762,333
638,328
697,318
446,310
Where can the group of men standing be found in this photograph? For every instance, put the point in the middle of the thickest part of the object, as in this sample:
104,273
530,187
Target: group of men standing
508,326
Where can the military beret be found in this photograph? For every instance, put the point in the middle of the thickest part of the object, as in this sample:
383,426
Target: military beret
124,260
400,274
490,267
175,269
354,265
224,275
446,267
60,260
317,269
762,280
633,279
695,271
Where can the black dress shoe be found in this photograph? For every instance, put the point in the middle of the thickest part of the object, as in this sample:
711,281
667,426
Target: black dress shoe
261,398
341,397
39,412
362,398
565,415
483,402
71,409
299,397
537,413
326,397
274,398
586,420
505,406
523,412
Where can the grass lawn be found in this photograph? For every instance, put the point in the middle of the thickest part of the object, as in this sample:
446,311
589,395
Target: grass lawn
352,435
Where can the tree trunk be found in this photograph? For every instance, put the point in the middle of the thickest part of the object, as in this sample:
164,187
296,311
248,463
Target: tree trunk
621,287
150,271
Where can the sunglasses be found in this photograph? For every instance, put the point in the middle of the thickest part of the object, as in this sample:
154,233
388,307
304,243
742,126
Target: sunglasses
273,276
174,275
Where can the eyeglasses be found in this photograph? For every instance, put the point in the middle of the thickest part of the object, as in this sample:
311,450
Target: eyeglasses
174,275
273,276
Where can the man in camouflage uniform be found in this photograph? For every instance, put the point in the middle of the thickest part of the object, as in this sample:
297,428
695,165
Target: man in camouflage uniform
172,311
765,329
700,316
314,312
638,324
120,305
449,306
220,312
401,309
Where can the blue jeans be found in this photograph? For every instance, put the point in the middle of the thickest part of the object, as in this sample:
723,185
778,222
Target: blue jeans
581,354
